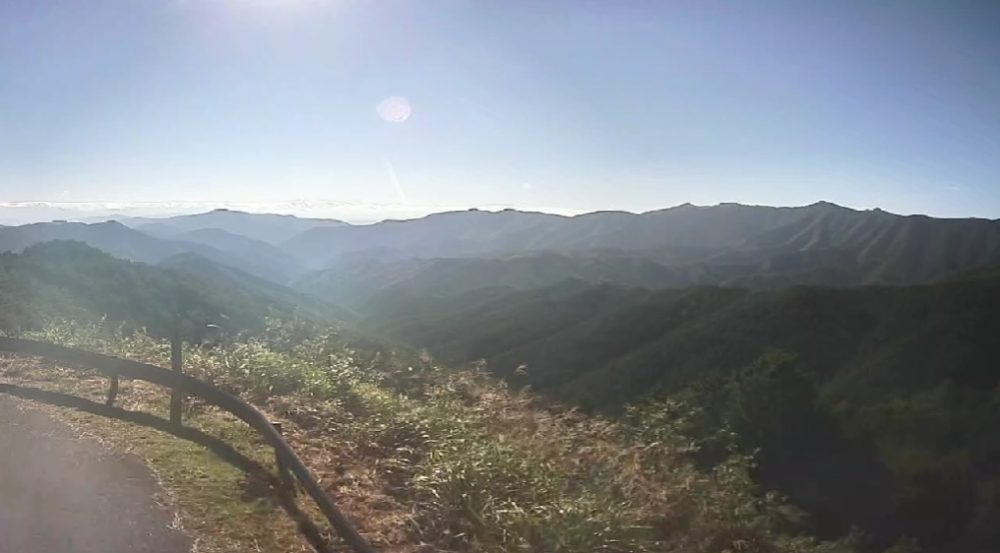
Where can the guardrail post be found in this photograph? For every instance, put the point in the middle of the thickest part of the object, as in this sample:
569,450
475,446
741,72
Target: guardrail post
112,391
176,395
283,473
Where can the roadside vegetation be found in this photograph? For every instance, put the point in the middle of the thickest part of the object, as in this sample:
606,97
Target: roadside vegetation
424,458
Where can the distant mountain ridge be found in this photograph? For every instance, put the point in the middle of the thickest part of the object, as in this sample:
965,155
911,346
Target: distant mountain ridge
111,237
728,244
476,232
69,280
265,227
250,255
445,253
124,242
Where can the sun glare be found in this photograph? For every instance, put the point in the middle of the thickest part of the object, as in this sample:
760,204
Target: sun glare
394,109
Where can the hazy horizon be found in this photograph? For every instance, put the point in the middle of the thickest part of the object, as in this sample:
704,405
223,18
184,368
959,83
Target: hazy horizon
367,111
15,213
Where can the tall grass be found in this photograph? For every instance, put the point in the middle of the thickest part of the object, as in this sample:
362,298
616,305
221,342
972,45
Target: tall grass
465,464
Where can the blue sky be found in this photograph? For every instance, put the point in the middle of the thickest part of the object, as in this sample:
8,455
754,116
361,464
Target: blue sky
568,106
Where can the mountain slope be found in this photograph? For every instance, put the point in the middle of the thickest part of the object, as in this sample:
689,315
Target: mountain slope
890,248
111,237
475,232
357,280
63,279
728,244
894,389
124,242
575,335
450,234
265,227
255,289
253,256
460,233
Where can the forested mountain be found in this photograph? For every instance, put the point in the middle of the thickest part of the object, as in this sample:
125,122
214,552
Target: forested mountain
124,242
881,246
702,230
265,227
111,237
899,386
249,255
475,232
634,339
62,279
261,291
728,244
358,280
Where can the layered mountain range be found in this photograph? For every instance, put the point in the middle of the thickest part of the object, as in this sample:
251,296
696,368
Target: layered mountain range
447,253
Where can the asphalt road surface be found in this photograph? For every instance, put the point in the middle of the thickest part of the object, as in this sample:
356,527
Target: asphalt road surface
61,494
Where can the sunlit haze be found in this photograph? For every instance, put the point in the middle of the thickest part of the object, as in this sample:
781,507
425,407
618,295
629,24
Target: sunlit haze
504,276
368,110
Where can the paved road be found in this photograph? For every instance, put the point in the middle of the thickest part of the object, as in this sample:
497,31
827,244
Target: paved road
60,494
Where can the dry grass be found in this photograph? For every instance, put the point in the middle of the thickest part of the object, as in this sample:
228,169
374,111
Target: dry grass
430,460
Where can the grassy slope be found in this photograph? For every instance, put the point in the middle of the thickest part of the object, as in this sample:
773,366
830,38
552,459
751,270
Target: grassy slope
452,461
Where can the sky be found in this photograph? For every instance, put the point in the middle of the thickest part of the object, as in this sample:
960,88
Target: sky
366,109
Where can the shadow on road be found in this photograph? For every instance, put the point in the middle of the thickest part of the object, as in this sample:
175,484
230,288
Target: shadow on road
61,494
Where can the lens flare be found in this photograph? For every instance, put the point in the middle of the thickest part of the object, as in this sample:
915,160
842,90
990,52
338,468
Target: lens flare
394,109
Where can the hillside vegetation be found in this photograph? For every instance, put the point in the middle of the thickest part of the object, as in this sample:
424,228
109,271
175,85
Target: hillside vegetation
427,459
574,334
68,280
896,387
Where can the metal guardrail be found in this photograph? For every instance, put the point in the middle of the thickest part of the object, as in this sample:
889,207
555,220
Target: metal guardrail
181,384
